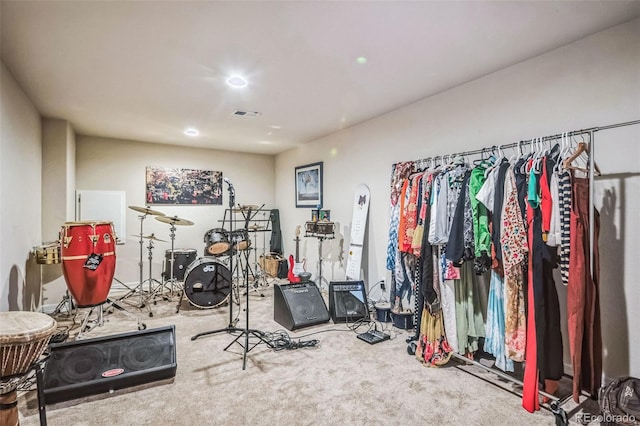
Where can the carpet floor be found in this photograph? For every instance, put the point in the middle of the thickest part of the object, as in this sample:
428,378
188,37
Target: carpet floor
339,381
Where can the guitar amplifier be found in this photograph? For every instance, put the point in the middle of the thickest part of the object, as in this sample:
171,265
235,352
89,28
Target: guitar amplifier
348,301
298,305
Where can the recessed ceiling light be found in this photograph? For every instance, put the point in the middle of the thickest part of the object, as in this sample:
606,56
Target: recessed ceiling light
275,126
191,132
237,81
361,60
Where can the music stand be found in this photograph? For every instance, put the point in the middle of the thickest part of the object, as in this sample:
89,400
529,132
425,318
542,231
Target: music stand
231,328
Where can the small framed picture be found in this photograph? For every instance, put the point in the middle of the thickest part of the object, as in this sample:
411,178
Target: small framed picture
309,185
315,214
324,216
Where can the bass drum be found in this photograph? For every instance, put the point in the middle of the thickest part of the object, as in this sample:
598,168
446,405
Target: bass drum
207,283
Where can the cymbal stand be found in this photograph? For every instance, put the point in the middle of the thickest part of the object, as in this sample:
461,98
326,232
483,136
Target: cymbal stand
231,328
172,280
153,292
138,288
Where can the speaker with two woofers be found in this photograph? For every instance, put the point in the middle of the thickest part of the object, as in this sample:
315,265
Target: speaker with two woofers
348,301
103,364
299,305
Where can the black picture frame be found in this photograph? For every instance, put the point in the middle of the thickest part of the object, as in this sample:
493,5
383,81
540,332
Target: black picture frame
308,185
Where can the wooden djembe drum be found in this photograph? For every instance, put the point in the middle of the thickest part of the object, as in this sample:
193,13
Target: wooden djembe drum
23,338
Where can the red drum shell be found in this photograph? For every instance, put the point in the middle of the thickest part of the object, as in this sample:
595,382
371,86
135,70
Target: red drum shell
88,287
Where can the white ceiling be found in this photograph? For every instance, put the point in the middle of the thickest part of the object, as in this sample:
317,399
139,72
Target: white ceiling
146,70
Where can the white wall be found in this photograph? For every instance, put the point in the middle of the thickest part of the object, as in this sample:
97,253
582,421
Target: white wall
20,204
58,194
591,82
118,165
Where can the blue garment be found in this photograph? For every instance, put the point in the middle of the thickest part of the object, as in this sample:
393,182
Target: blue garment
494,341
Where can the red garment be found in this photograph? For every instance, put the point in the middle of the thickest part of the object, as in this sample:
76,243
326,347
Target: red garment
402,224
546,203
530,400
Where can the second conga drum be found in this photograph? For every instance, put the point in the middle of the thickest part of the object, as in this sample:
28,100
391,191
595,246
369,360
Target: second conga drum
88,260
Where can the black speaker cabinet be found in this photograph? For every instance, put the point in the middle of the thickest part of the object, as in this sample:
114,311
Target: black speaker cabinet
299,305
347,301
102,364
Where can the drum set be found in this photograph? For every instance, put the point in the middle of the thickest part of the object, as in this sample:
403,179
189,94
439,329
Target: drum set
87,251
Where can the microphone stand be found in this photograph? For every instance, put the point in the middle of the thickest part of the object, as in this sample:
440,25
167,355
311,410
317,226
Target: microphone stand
231,328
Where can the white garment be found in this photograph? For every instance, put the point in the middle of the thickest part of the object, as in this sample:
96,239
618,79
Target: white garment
440,234
553,238
487,192
448,303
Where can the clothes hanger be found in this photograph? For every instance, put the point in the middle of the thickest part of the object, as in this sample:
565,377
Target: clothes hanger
582,147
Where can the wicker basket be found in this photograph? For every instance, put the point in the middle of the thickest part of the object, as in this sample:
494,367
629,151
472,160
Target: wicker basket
270,262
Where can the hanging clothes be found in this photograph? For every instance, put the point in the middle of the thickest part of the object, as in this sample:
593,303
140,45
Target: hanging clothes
513,238
399,173
583,304
469,319
482,236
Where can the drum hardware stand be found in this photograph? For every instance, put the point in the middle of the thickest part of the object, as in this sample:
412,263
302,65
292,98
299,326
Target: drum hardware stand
139,287
66,303
87,325
153,292
231,328
321,279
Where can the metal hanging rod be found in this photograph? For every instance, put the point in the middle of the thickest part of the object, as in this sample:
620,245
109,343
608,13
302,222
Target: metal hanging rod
521,143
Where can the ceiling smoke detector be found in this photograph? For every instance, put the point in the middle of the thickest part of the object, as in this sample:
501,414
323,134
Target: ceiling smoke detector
247,113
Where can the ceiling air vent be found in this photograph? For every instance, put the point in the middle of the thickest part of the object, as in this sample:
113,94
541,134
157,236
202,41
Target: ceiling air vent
247,113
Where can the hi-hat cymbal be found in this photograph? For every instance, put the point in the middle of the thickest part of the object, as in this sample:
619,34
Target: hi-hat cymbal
174,220
151,237
248,207
255,227
146,210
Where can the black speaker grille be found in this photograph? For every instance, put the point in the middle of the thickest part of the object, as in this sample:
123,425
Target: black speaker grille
88,367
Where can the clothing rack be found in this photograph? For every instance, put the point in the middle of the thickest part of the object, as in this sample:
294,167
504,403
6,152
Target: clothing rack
556,403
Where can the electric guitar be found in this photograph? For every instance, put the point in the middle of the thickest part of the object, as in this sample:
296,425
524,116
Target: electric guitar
296,266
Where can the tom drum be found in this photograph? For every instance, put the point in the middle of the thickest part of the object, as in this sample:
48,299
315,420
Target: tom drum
240,239
217,241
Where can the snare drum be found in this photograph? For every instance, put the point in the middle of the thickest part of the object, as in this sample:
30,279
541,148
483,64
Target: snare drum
207,283
48,254
88,279
240,239
181,259
217,240
23,338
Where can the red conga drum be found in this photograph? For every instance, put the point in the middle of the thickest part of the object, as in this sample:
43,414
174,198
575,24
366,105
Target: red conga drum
88,260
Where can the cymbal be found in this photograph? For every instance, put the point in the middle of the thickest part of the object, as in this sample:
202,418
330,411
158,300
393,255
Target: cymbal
151,237
146,210
174,220
255,227
245,207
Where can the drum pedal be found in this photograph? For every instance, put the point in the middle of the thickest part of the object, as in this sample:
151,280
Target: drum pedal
59,336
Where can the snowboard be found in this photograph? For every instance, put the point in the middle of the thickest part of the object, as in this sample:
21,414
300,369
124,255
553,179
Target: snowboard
358,228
